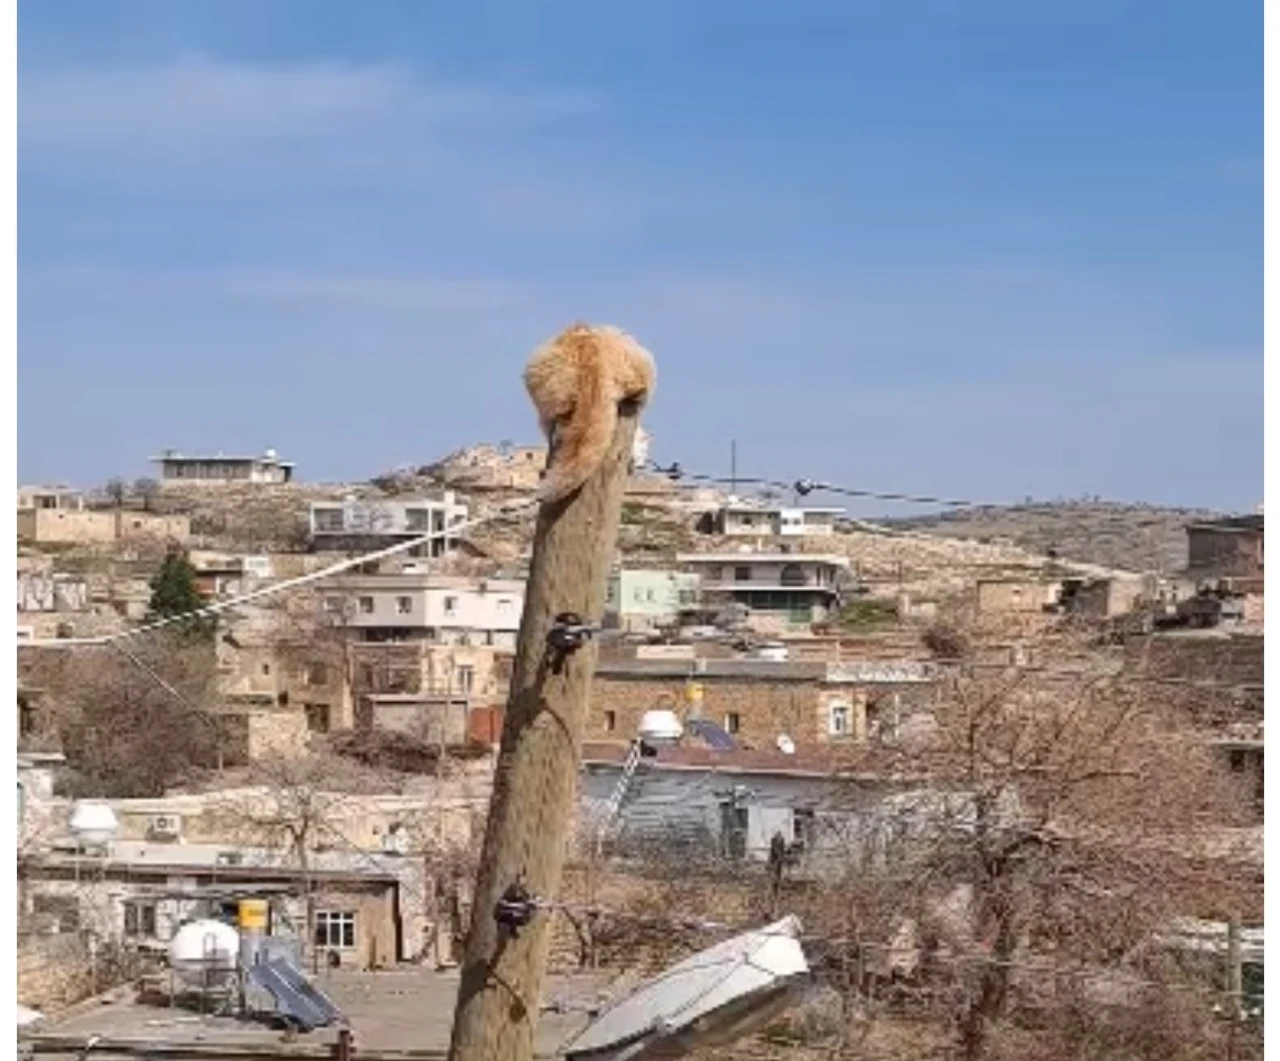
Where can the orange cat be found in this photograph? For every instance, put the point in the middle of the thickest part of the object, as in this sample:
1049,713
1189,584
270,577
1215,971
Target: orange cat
576,382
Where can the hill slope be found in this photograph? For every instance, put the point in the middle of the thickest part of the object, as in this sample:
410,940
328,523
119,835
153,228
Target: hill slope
1130,537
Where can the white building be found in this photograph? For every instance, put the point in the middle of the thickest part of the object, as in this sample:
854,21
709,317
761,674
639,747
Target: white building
752,519
412,605
268,468
351,524
783,589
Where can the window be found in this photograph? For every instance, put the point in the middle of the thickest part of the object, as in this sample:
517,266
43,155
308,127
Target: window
450,605
329,520
742,573
610,721
802,821
366,605
417,519
316,673
336,929
714,573
838,720
317,717
732,722
404,605
333,604
466,678
266,669
140,919
1237,758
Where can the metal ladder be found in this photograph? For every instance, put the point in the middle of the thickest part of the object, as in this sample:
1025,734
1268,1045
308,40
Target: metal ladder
608,816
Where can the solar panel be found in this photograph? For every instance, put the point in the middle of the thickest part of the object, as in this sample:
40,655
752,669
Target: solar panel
299,999
714,736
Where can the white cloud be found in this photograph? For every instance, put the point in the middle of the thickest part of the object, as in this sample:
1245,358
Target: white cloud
198,108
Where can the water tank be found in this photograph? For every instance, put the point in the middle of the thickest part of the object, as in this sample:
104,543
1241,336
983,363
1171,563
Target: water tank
92,824
204,953
660,727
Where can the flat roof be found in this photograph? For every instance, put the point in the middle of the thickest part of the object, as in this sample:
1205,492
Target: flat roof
223,458
766,509
406,1012
1238,524
762,558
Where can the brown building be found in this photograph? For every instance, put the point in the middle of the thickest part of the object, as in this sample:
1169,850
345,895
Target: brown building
758,701
1227,550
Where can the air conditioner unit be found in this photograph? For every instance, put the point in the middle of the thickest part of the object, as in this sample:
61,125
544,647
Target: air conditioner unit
165,826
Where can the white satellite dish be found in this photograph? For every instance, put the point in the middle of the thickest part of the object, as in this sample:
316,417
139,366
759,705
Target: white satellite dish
785,744
711,998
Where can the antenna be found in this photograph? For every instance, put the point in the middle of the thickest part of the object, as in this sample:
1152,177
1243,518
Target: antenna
711,998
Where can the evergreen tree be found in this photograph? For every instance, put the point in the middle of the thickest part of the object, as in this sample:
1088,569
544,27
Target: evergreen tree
174,592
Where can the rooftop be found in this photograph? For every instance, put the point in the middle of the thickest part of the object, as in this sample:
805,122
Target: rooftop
1252,523
404,1009
763,558
269,457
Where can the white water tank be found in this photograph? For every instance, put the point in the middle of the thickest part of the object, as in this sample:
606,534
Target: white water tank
204,952
92,824
660,726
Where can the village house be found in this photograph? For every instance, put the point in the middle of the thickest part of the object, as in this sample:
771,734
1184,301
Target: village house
1227,550
700,805
778,589
49,497
637,599
756,702
352,525
755,519
179,468
366,908
59,516
420,605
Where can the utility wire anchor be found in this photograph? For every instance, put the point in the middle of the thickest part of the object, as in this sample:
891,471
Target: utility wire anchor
568,633
515,909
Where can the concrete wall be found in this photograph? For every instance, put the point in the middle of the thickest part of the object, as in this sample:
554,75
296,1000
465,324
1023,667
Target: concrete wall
151,526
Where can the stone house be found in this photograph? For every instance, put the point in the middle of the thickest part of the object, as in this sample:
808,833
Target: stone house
1227,550
82,526
756,701
369,910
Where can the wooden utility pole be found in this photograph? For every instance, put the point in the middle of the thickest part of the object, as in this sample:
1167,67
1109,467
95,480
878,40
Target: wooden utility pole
536,780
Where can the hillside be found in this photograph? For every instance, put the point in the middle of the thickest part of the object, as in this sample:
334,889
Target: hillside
1130,537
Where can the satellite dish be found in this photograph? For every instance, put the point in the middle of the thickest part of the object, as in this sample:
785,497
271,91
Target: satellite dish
786,745
711,998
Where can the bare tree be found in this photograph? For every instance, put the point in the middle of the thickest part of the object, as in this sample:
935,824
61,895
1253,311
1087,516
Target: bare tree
146,490
135,720
116,491
1016,892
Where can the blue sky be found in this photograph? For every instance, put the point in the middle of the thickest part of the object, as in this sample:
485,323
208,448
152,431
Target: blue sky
983,248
